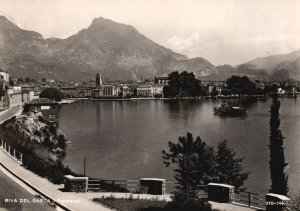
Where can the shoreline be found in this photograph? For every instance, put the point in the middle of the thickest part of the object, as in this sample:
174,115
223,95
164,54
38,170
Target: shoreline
72,100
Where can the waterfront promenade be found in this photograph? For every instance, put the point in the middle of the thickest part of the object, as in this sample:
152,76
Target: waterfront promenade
15,193
70,200
82,201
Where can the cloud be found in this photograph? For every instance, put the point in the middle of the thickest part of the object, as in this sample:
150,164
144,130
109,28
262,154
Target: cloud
189,45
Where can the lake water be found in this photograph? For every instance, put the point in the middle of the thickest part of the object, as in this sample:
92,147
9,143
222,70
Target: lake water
125,139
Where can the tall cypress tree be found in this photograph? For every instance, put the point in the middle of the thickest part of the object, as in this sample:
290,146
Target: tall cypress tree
277,160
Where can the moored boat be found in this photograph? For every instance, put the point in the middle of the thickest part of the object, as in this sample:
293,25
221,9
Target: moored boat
227,110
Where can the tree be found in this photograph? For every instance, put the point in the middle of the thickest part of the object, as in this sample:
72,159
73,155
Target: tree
214,92
277,160
184,84
27,79
242,85
194,162
20,80
2,88
52,94
229,167
197,164
270,89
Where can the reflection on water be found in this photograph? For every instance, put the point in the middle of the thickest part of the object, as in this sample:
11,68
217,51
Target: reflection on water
124,139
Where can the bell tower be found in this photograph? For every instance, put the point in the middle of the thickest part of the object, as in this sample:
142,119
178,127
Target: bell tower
98,80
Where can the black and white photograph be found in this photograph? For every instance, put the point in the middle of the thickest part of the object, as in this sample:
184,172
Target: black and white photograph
149,105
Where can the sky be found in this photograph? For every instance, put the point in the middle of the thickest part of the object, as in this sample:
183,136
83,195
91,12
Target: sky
221,31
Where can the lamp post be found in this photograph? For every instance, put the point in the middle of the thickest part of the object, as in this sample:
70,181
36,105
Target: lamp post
84,164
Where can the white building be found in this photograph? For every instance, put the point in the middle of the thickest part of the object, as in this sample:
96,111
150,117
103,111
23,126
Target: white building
144,91
4,75
157,90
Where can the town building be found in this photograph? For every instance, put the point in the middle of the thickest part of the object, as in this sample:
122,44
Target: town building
280,91
161,80
4,97
211,87
69,91
157,90
47,107
87,90
124,91
108,90
144,91
4,75
84,91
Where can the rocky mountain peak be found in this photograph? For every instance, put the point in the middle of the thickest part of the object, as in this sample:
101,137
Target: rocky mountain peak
117,50
5,23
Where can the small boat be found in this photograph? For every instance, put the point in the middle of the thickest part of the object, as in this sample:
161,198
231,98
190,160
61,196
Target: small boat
227,110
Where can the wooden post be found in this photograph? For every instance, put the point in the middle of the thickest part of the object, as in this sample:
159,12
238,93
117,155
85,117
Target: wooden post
2,143
14,153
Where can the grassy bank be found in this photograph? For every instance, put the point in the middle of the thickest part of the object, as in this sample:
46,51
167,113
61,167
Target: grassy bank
136,204
131,204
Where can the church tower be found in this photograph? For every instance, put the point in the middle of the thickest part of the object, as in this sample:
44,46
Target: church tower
98,81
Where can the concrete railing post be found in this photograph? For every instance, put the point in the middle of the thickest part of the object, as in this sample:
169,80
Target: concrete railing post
8,149
154,186
21,157
220,192
2,143
76,184
276,202
14,153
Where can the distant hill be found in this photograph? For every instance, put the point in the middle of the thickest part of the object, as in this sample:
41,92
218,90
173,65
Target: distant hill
118,51
275,68
278,67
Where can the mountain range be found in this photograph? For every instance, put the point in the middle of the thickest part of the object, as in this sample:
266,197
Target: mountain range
279,67
115,50
118,52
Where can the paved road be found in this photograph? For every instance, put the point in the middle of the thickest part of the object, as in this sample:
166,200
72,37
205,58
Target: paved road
72,200
14,197
4,115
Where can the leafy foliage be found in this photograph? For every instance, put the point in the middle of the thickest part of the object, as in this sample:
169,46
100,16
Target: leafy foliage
229,167
198,164
214,92
277,160
193,159
2,87
242,85
52,94
182,85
